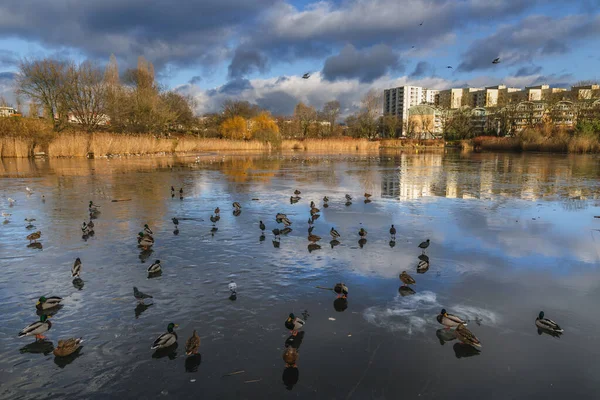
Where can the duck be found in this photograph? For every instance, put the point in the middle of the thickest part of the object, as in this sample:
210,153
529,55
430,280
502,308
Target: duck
140,296
147,230
424,245
311,228
313,238
232,287
91,225
214,218
393,231
341,289
37,328
312,204
280,216
334,234
217,210
407,279
76,269
294,199
67,347
449,320
286,230
172,191
313,247
362,233
297,192
466,336
325,199
44,303
192,344
276,232
237,205
155,268
262,226
314,211
167,339
290,356
310,221
286,221
145,241
348,197
85,228
34,236
294,324
547,324
93,208
367,195
175,222
6,215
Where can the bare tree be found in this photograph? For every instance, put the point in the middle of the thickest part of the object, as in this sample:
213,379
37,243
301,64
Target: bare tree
42,81
331,112
370,111
391,124
238,108
85,95
305,115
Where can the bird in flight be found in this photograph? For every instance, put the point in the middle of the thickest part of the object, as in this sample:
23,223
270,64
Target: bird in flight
421,24
496,61
449,67
306,75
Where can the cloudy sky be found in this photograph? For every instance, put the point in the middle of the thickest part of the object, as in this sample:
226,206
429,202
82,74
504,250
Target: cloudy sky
258,49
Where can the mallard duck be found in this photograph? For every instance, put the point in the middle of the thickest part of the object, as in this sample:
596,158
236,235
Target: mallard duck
348,197
155,268
232,287
45,303
547,324
294,324
449,320
85,229
147,230
393,232
30,220
297,192
294,199
367,195
334,234
93,208
11,202
424,245
67,347
217,210
145,241
262,226
140,296
91,225
310,221
325,199
213,219
280,216
311,228
286,230
37,328
341,289
76,270
314,211
362,233
466,336
34,236
422,266
175,222
172,190
313,238
237,205
192,344
276,232
290,356
167,339
286,221
312,204
407,279
6,215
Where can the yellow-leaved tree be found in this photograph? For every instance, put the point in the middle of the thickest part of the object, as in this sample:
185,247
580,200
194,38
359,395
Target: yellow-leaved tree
264,128
235,128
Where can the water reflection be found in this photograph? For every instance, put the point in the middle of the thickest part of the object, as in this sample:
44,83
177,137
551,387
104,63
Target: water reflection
140,308
340,304
62,362
462,350
42,346
170,352
445,335
193,362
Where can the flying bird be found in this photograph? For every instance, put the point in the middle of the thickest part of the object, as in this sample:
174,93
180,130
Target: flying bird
449,67
496,61
306,75
421,24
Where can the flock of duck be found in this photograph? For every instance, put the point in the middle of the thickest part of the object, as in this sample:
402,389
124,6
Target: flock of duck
48,305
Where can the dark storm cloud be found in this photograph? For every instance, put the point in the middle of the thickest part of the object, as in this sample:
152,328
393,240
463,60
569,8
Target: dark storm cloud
235,86
8,58
528,71
365,65
195,80
422,69
178,32
246,61
7,77
532,37
278,102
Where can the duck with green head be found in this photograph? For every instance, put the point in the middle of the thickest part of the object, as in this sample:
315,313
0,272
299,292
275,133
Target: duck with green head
45,303
547,324
145,241
167,339
147,230
294,324
37,328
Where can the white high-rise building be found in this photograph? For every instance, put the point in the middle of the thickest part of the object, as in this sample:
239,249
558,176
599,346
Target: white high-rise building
398,100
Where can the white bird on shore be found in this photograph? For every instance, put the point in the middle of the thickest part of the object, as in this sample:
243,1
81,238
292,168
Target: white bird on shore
11,201
29,191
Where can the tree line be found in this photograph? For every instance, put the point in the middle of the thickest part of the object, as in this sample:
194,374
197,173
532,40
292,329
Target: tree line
86,94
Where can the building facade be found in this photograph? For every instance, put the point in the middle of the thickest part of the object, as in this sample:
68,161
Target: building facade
397,101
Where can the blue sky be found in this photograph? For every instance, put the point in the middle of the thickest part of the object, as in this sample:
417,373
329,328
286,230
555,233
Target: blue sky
257,50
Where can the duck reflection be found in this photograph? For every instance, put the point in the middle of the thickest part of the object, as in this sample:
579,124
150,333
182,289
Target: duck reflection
285,231
367,201
78,283
313,247
193,362
276,244
340,304
64,361
445,335
334,243
176,232
141,307
49,311
170,352
35,245
145,254
295,341
392,243
236,213
422,266
462,350
548,332
348,203
362,242
262,238
406,291
290,377
290,358
43,346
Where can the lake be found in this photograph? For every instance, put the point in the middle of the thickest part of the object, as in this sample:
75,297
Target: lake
511,235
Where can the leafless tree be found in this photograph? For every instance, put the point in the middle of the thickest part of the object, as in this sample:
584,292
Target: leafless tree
85,93
331,112
305,115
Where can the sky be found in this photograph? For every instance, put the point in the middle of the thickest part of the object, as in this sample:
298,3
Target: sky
258,50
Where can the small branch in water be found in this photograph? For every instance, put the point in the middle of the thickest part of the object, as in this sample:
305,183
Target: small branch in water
254,380
233,373
116,200
324,288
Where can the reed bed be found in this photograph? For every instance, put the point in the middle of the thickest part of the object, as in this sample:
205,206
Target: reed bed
330,145
412,143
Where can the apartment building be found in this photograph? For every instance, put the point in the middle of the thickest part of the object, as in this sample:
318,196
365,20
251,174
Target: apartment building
397,101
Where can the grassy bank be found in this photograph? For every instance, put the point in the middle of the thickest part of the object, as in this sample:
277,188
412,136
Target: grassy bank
561,143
